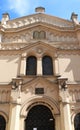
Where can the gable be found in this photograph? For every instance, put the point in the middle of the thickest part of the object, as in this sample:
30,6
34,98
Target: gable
34,48
40,82
37,18
39,48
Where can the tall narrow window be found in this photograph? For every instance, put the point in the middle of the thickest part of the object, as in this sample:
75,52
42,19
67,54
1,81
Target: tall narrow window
31,65
2,123
77,122
47,65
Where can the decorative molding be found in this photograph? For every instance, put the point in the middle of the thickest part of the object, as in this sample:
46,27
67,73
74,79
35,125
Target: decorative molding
35,100
51,36
36,18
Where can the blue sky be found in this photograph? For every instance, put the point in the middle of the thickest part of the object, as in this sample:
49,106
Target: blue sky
59,8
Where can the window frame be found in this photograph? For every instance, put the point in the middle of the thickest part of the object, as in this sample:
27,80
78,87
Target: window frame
31,70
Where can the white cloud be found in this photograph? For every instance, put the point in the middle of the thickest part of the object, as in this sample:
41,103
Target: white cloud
20,7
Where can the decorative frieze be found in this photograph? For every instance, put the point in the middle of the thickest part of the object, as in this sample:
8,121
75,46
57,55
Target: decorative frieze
50,36
62,38
74,92
13,38
4,96
75,95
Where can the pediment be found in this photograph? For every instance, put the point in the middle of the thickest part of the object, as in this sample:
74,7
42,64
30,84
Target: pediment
39,48
39,82
24,35
19,34
39,18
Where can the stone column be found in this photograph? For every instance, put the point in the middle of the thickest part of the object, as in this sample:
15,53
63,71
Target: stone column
6,125
57,121
67,117
56,66
23,65
15,106
64,105
14,120
22,123
39,66
61,116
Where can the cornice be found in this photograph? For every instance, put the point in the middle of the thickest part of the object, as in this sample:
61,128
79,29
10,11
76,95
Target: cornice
58,52
29,21
43,15
68,52
5,86
33,25
54,47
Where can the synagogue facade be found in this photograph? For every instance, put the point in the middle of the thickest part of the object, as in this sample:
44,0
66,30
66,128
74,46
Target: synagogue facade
39,72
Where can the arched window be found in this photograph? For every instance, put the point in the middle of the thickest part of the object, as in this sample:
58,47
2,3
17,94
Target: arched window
31,65
77,122
42,35
47,65
39,35
2,123
35,34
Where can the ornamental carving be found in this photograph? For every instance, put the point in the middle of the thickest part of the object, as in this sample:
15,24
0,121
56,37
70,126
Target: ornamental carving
27,36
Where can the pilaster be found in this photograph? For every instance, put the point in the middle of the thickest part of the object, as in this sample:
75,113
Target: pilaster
23,64
64,105
14,121
15,106
22,123
56,66
57,121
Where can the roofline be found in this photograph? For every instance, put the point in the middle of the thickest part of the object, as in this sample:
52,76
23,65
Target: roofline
48,15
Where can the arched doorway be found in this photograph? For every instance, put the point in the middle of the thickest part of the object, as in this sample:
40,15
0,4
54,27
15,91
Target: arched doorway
40,118
77,122
2,123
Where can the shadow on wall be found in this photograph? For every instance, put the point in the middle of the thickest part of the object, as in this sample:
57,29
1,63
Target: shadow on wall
9,68
71,67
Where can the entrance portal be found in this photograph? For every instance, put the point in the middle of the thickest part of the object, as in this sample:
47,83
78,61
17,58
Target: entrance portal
39,118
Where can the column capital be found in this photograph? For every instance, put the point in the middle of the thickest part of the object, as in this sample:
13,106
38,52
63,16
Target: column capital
62,83
16,83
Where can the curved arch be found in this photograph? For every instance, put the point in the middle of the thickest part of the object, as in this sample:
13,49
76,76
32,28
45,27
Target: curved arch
31,53
47,65
41,117
31,65
2,122
48,53
35,34
73,115
42,34
51,104
77,121
4,115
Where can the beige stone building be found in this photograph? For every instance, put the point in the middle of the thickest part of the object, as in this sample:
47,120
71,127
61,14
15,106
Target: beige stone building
39,72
